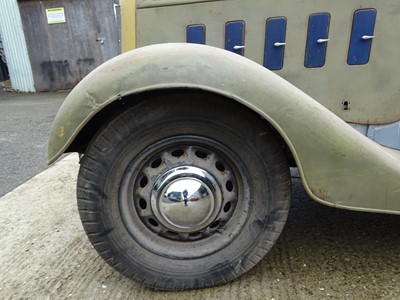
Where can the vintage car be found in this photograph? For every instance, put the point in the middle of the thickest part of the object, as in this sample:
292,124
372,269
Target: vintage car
174,196
228,95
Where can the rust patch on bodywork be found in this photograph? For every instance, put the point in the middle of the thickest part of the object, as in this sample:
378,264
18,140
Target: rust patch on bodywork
323,194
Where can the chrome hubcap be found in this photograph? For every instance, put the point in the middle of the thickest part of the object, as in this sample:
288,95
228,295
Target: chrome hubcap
186,199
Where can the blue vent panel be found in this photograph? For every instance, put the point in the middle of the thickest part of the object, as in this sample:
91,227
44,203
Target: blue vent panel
317,40
196,34
234,37
362,34
275,40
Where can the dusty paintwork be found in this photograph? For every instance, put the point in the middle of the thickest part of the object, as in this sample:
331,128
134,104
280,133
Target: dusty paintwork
339,166
370,89
157,3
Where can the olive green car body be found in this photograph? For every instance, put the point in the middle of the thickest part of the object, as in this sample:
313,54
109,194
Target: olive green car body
338,165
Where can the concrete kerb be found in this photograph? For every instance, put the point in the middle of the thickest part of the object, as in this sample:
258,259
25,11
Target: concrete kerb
63,169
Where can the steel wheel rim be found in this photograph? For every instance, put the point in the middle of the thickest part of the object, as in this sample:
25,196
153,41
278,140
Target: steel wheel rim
154,171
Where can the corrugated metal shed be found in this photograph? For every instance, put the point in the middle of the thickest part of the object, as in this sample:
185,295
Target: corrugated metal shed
3,66
15,48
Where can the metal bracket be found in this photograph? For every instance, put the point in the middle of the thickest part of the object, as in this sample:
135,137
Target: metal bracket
322,41
367,37
278,44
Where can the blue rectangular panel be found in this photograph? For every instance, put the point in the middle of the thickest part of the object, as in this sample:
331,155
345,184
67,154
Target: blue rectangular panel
275,41
196,34
234,37
317,40
362,34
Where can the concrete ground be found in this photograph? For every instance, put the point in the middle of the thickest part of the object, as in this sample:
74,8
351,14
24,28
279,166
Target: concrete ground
323,253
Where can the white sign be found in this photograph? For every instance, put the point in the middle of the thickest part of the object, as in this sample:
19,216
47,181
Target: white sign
55,15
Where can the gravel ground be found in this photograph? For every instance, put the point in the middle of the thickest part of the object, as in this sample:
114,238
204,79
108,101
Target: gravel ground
323,253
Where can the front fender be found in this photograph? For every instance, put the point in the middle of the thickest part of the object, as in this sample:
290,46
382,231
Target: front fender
338,166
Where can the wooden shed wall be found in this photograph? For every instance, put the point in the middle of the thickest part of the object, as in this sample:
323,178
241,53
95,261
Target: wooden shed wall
62,54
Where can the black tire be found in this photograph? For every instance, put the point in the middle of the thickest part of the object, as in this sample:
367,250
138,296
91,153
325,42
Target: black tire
225,153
